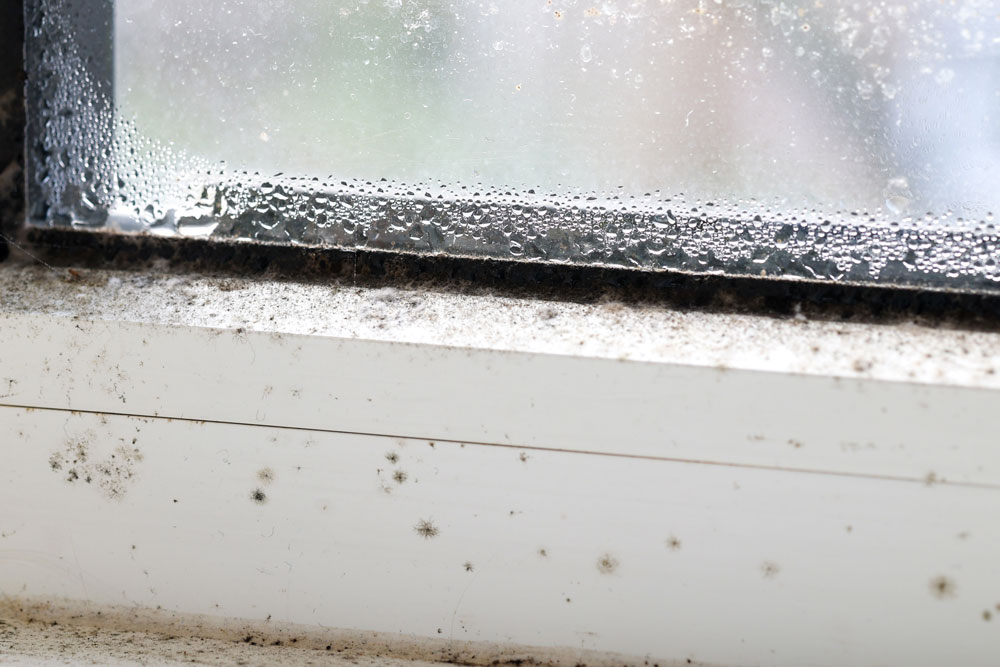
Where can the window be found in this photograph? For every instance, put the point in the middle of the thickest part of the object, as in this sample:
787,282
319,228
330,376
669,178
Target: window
835,141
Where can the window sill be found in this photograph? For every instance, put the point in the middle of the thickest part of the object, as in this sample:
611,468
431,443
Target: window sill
895,352
756,452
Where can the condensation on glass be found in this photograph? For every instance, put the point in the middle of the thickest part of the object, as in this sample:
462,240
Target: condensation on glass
836,140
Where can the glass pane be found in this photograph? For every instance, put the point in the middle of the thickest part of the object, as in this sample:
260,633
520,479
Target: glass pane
835,140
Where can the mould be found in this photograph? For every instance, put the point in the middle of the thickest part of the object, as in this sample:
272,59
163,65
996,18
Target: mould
673,543
232,260
769,569
943,587
113,473
230,285
399,476
11,382
87,633
392,457
607,564
468,566
862,365
265,475
258,496
426,529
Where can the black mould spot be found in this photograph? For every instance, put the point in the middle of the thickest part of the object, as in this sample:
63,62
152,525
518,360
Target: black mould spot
673,543
468,566
607,564
257,495
426,529
524,457
543,553
931,478
943,588
230,286
392,457
265,475
797,444
769,569
110,474
400,476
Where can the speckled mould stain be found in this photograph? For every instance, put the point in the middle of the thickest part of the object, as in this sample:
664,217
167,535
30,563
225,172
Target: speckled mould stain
111,474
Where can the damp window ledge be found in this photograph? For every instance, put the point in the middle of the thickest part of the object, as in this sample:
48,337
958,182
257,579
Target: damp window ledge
479,415
478,367
897,351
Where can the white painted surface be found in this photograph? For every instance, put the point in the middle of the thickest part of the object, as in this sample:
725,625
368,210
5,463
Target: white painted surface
827,424
808,530
335,544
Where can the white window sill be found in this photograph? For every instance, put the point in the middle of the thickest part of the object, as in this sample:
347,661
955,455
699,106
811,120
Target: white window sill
825,472
897,352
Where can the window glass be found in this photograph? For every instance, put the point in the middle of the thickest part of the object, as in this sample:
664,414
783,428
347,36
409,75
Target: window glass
837,140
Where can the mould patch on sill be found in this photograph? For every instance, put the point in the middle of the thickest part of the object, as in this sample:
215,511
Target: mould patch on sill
151,632
421,315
